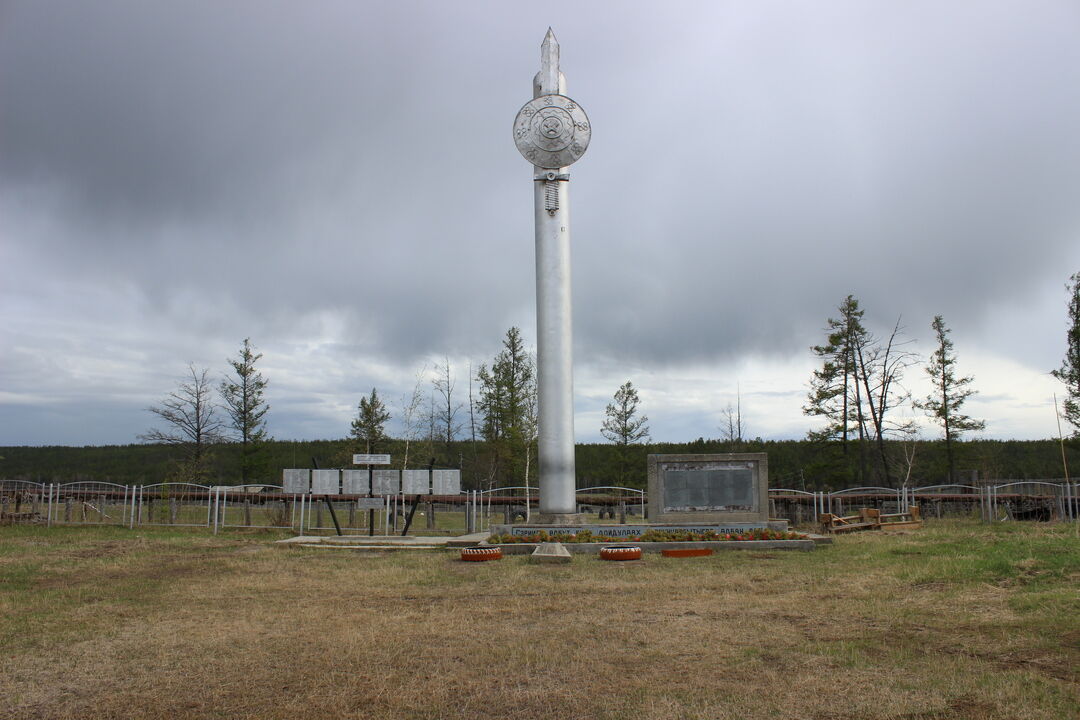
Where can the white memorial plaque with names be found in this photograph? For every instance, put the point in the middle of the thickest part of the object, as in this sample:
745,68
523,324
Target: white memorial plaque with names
295,482
385,482
354,482
325,482
415,482
445,482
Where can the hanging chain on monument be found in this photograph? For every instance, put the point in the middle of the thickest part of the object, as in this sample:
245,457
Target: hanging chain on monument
552,132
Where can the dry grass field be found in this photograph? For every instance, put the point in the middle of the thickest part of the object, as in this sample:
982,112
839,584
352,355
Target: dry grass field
957,620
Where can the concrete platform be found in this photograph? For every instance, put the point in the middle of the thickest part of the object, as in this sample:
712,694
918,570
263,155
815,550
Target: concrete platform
413,542
383,542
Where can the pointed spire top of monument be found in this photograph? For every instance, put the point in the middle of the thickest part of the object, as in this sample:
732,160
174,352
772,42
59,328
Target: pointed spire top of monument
549,65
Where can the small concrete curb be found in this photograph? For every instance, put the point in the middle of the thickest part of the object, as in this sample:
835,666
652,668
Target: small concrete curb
656,547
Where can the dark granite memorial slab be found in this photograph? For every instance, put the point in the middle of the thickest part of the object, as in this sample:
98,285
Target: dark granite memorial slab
720,488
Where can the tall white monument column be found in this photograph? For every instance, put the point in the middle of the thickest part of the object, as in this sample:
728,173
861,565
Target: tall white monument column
552,132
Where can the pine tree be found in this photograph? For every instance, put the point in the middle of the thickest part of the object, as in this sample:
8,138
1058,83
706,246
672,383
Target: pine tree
835,392
950,392
1069,372
246,408
505,391
857,386
622,426
368,430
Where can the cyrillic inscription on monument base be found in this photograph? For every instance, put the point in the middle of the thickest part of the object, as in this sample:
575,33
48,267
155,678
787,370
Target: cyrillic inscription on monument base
627,531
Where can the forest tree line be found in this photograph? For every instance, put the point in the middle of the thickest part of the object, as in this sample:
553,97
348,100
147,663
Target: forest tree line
215,431
797,464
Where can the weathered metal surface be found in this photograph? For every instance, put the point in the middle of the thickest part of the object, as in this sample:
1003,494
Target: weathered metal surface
354,482
295,482
554,326
385,482
445,482
415,482
552,131
325,482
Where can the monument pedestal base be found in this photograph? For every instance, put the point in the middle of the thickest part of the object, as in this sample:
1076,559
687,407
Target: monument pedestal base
635,529
561,519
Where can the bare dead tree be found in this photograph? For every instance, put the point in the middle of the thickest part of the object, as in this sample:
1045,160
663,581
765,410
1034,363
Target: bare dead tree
447,416
731,431
188,415
881,370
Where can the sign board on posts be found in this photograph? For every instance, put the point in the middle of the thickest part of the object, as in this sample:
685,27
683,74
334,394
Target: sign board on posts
415,482
325,482
295,482
445,482
371,459
385,482
354,482
370,503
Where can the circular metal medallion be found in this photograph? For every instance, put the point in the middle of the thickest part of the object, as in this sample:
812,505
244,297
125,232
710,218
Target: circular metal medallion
552,131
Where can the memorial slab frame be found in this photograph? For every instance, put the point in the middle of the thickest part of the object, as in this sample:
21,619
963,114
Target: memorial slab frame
709,488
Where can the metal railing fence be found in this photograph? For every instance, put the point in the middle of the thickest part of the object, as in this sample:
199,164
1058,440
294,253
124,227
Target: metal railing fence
268,506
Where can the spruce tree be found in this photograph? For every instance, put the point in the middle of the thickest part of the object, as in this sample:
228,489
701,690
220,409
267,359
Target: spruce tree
949,393
246,408
505,392
835,391
368,430
622,426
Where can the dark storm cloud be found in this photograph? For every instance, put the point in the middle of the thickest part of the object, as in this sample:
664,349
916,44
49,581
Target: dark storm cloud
183,175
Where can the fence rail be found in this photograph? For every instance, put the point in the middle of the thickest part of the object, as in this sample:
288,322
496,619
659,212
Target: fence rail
268,506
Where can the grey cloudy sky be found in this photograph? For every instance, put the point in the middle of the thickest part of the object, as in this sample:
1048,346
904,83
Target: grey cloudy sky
338,181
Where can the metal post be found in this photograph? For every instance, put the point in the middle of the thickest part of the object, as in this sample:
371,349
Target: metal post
48,507
131,519
552,132
217,499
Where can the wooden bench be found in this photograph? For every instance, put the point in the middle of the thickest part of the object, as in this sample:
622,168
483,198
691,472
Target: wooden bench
869,519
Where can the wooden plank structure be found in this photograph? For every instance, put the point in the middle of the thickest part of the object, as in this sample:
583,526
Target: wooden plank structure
870,519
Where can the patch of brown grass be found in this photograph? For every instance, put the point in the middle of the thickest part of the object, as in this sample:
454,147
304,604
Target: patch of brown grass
240,629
